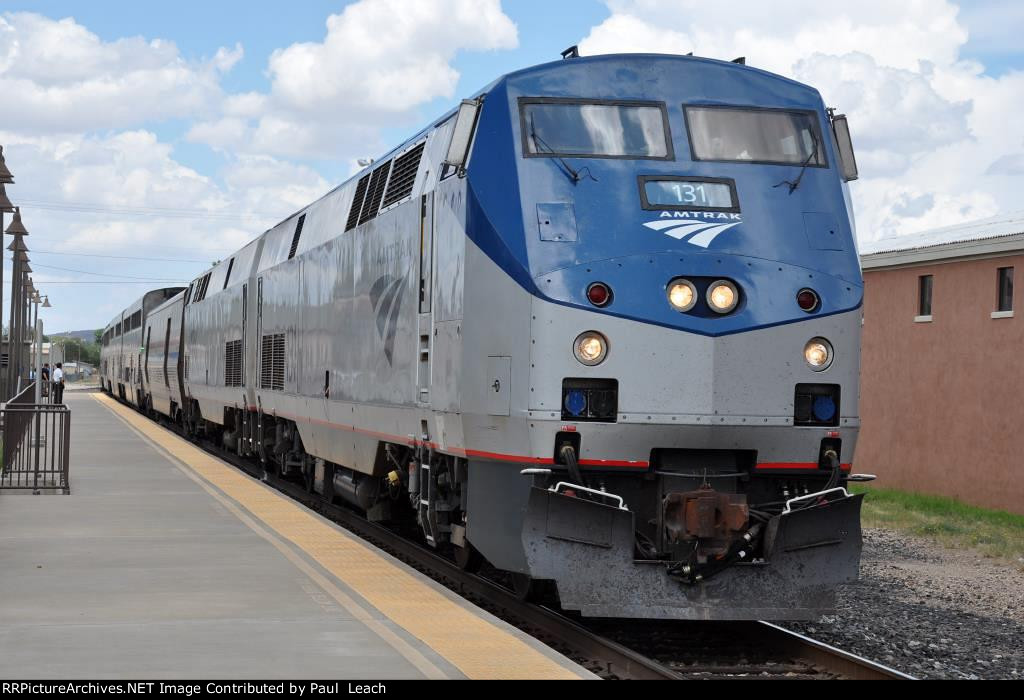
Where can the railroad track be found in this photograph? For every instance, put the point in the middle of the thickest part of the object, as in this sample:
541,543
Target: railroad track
613,649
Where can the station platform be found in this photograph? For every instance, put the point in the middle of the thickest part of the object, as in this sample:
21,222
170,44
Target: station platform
166,562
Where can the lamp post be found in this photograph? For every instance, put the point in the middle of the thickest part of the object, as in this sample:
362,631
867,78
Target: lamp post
12,356
5,207
27,290
19,254
37,331
6,178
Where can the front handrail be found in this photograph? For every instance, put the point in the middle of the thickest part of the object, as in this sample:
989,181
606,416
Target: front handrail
816,494
604,494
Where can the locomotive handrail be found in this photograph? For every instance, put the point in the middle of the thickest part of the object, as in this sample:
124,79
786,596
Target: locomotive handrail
809,496
596,492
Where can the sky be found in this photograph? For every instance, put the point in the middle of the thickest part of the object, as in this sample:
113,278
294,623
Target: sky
148,140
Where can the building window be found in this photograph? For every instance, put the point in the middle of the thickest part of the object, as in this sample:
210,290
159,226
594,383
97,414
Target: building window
1005,276
924,295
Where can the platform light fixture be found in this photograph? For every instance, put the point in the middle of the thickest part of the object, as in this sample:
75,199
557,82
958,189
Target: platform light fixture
6,178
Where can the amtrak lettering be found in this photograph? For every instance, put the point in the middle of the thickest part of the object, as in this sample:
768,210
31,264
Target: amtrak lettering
702,227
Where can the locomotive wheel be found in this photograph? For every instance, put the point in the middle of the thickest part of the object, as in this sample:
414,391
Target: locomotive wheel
468,558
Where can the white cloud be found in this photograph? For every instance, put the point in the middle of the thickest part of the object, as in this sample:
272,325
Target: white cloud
132,172
379,60
898,113
140,202
930,128
57,76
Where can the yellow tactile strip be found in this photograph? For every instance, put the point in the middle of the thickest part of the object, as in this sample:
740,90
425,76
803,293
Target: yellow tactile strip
475,646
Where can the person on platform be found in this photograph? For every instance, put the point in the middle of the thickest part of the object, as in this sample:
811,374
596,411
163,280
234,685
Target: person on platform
58,384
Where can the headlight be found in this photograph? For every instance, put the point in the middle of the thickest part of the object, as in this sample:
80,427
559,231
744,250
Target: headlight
682,295
590,348
723,296
818,353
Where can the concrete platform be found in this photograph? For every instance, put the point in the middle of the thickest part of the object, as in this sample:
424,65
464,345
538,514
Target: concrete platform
165,562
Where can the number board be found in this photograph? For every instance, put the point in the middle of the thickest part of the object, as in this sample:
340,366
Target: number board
688,193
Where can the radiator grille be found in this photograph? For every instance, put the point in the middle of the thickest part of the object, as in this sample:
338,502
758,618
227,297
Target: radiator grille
272,362
403,176
233,363
204,284
375,192
357,202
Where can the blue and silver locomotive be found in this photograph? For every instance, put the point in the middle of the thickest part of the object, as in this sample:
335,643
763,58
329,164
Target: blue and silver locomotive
599,327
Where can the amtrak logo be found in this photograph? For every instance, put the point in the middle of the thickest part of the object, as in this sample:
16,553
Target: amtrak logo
700,228
386,298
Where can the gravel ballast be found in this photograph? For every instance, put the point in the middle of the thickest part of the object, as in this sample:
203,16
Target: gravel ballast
929,611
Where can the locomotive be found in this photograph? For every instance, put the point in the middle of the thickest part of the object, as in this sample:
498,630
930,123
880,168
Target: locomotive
598,326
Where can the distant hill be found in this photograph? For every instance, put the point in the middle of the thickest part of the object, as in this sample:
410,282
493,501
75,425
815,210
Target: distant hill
84,336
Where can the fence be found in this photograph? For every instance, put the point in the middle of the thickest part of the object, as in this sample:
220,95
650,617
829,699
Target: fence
36,442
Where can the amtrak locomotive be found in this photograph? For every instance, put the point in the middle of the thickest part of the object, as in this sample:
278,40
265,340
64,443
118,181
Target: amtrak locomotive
599,326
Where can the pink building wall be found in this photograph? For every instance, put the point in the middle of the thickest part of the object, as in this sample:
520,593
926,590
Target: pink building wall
942,403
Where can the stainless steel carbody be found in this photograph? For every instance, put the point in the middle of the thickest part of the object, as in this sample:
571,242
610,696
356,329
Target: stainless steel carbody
161,382
123,346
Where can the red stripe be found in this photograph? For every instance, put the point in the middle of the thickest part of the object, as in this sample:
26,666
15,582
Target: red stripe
614,463
797,465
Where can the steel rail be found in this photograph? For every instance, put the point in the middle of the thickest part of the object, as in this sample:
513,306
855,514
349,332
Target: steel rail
822,655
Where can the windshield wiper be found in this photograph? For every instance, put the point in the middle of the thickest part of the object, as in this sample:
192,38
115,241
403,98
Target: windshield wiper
570,172
793,184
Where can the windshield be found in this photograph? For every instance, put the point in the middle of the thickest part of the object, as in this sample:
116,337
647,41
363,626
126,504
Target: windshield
755,135
595,130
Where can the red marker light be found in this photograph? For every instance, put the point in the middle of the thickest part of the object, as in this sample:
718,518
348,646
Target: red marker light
807,299
599,294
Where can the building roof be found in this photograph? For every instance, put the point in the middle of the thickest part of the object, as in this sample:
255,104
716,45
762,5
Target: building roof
997,235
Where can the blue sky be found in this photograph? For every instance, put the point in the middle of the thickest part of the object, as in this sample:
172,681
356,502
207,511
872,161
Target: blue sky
141,130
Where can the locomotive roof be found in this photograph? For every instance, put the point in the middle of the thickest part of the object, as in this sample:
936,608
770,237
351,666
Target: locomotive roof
523,76
540,68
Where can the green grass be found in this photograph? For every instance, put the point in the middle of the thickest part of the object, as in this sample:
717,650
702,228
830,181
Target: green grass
994,533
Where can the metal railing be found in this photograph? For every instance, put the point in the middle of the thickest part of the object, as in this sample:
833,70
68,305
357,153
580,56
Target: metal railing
36,444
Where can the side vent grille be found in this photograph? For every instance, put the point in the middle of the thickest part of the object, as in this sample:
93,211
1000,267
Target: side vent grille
403,176
272,362
233,363
357,202
375,192
295,237
204,284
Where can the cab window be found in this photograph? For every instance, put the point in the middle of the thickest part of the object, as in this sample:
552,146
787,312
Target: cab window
744,135
595,129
